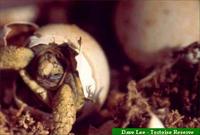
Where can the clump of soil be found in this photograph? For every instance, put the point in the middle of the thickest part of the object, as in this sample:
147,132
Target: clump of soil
134,110
173,89
11,123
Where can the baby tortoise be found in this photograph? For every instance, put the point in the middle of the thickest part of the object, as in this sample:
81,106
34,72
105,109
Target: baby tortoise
48,69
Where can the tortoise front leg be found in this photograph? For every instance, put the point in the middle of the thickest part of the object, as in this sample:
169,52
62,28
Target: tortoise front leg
64,111
14,58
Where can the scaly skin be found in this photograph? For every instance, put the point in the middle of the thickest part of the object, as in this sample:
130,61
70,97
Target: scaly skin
64,111
14,58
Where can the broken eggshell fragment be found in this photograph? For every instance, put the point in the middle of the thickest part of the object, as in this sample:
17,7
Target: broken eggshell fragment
155,122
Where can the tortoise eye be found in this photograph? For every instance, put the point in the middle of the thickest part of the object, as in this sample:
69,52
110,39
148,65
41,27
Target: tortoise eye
55,77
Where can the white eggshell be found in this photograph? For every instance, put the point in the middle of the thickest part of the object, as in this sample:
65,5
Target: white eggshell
147,27
155,122
91,61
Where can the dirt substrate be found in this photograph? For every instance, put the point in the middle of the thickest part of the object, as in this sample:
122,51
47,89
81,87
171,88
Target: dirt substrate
171,91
